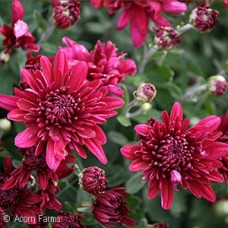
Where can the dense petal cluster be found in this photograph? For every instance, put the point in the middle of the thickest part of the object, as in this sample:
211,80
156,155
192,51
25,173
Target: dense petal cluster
61,110
110,208
170,154
18,201
93,180
104,62
224,138
138,13
18,35
31,163
65,220
66,13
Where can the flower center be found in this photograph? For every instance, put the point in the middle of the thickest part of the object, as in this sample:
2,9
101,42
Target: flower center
59,107
174,153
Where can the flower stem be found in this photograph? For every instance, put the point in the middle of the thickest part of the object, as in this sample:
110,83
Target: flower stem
190,93
47,34
184,28
132,104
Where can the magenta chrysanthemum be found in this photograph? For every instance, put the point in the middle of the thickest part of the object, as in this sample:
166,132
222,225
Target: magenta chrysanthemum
138,13
18,34
104,62
169,154
61,110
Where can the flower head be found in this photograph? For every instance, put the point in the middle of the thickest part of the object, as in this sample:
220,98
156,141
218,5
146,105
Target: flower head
61,110
65,220
170,154
204,19
32,163
93,180
166,37
104,62
225,4
145,93
138,13
217,85
18,201
66,12
110,208
18,34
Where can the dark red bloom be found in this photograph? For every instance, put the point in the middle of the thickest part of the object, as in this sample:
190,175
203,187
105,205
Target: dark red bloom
170,154
18,201
93,180
224,138
2,221
104,62
110,208
217,85
66,220
61,110
66,13
30,163
138,13
18,34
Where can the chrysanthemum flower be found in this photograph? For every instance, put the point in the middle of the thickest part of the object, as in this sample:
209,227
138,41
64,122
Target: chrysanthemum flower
104,61
224,138
61,109
18,34
18,201
138,13
65,220
170,154
110,208
32,163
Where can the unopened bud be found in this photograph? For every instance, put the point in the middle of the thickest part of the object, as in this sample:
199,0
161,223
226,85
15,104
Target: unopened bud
5,125
145,107
4,58
203,18
145,93
66,12
93,180
217,85
166,37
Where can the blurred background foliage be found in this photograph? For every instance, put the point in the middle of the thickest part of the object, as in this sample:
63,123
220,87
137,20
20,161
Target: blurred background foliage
199,56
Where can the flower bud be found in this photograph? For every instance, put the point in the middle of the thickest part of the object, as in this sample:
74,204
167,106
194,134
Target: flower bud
166,37
66,12
217,85
145,107
203,18
4,58
145,93
93,180
5,125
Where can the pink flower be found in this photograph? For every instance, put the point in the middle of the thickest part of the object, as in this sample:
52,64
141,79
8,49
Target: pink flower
18,201
30,163
138,13
110,208
66,13
224,138
169,154
225,4
18,34
104,62
61,110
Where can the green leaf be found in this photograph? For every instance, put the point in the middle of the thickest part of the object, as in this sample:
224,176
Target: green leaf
124,121
117,138
135,183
